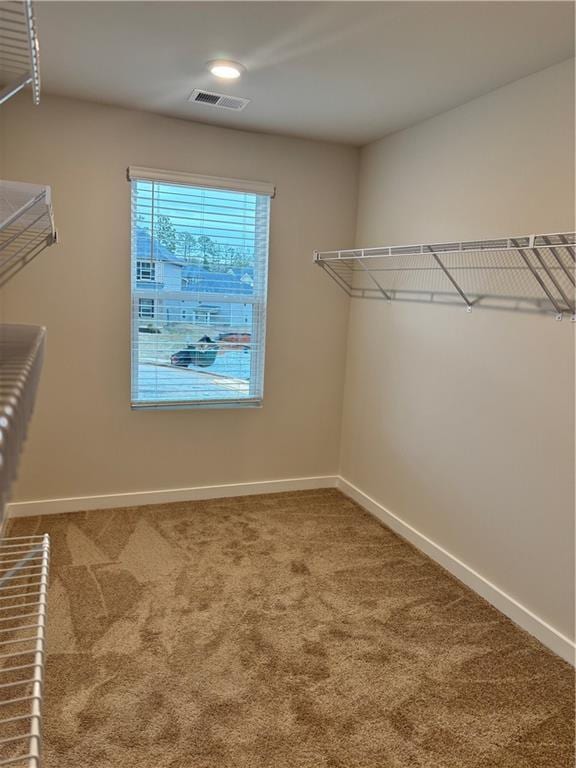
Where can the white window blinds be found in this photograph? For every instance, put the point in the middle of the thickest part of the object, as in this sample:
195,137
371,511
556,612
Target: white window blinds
199,277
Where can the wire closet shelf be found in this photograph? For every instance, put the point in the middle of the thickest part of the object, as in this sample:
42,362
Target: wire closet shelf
534,273
26,228
19,51
26,220
24,565
26,225
21,357
24,561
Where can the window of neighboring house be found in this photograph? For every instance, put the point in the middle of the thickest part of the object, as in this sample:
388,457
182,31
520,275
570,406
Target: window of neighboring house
145,270
146,309
211,238
202,316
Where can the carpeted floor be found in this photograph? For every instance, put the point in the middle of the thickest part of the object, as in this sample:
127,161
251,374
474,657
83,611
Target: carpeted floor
282,631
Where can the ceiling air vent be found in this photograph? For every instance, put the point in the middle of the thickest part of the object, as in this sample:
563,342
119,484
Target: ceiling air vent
220,100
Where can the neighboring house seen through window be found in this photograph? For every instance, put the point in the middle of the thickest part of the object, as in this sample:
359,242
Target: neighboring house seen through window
199,281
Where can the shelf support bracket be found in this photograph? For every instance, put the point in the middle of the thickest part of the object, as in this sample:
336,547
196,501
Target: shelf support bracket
12,89
558,258
371,276
335,276
555,283
569,247
541,283
452,280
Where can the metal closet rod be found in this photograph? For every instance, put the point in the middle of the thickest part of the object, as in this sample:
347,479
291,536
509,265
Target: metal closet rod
527,247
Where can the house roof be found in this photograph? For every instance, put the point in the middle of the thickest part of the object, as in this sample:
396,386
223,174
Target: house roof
215,282
142,244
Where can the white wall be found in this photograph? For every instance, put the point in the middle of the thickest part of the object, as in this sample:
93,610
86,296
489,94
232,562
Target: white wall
84,438
463,424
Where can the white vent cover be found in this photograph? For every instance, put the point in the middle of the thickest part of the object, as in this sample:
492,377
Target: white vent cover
220,100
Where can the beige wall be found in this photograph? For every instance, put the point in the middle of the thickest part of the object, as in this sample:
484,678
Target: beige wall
84,438
462,424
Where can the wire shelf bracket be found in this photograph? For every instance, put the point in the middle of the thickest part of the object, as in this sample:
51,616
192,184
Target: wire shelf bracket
26,225
19,50
530,273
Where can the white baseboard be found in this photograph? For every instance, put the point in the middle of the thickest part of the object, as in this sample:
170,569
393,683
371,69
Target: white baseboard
548,635
139,498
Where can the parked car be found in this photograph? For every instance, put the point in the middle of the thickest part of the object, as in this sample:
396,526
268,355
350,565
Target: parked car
235,340
202,353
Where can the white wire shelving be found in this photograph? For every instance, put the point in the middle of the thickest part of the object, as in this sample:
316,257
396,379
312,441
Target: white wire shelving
533,273
21,356
26,228
24,562
26,221
24,566
26,225
19,50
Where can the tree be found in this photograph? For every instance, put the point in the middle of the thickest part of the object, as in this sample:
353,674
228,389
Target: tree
235,258
210,251
241,260
165,233
187,243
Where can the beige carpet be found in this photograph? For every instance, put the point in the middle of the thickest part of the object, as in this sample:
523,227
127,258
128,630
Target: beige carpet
282,631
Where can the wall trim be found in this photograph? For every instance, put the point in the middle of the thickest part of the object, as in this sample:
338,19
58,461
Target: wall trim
139,498
518,613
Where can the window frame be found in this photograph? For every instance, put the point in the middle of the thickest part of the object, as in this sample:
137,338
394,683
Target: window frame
151,303
258,302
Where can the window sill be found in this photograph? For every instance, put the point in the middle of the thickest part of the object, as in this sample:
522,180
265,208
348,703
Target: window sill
200,405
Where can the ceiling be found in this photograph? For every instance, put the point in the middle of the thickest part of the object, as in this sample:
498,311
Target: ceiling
340,71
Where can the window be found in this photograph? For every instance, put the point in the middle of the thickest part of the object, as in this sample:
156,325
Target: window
145,270
208,239
146,309
202,316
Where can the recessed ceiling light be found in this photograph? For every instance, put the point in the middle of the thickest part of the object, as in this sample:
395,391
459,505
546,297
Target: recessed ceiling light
227,70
